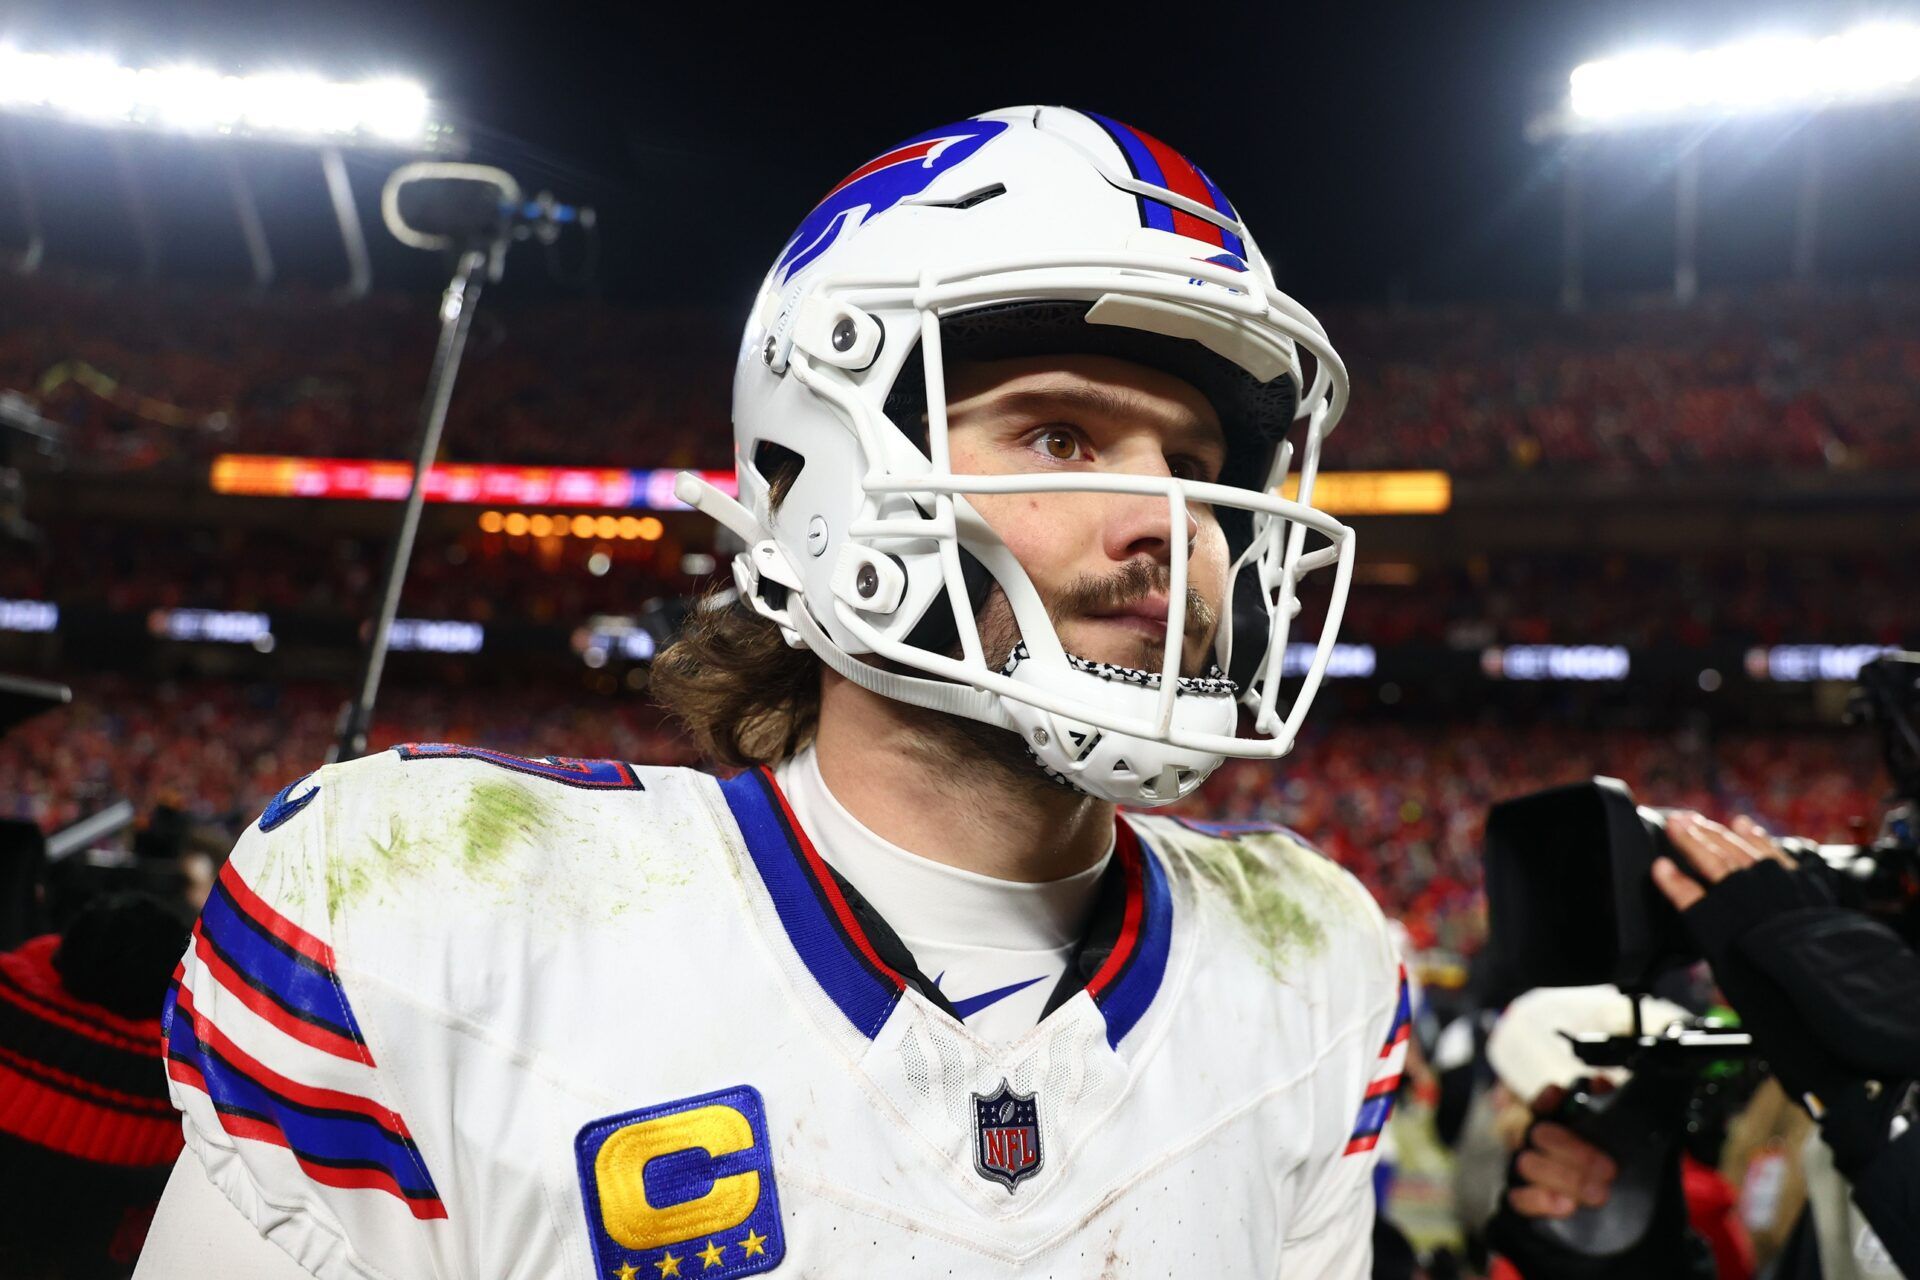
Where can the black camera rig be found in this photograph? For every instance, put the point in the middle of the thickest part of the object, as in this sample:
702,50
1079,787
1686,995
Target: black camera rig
1571,902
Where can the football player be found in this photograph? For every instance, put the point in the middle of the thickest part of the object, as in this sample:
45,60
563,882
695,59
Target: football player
925,988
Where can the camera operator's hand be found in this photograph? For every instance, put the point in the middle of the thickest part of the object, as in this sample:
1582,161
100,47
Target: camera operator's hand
1714,851
1557,1171
1828,993
1556,1174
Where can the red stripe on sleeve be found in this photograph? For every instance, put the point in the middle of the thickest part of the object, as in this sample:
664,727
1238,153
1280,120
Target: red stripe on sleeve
292,1090
186,1073
239,1126
1384,1085
371,1180
273,922
321,1038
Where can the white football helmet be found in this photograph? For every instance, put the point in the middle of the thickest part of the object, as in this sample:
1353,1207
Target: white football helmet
1031,230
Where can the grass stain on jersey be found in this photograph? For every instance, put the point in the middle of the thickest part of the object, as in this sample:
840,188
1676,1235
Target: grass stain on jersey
515,845
348,880
1258,884
497,816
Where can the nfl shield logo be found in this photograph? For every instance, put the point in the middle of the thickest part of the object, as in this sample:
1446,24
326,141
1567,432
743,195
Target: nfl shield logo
1006,1136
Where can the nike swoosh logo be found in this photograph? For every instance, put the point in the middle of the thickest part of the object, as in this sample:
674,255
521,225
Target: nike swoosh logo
974,1004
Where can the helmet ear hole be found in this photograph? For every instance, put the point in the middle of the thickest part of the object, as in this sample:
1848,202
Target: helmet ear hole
779,466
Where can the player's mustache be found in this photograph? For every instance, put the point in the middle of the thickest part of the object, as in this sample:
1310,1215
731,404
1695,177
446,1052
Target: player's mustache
1130,584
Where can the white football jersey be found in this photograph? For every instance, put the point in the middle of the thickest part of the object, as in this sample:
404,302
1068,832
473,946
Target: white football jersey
453,1013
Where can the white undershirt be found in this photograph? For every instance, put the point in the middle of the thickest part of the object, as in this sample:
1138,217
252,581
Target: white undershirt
974,935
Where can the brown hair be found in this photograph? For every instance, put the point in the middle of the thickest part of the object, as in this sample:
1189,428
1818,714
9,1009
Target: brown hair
744,696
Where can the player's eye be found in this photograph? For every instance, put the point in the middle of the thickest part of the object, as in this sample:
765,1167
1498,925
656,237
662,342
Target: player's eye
1186,468
1059,444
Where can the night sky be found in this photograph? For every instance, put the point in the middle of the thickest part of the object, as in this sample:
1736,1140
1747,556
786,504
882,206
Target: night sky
1377,150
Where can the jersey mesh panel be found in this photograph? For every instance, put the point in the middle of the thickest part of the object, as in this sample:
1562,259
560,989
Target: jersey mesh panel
938,1094
913,1059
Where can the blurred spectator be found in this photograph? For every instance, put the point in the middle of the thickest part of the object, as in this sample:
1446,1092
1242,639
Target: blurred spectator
1404,807
23,857
1772,379
87,1136
1641,601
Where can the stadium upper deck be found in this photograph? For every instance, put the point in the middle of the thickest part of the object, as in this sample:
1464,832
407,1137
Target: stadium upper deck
1773,380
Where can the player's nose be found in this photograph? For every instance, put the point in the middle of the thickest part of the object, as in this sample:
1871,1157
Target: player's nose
1141,526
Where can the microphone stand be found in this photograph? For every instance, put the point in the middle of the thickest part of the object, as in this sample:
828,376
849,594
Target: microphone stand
457,305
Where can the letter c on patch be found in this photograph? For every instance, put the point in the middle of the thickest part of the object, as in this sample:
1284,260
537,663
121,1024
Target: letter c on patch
620,1166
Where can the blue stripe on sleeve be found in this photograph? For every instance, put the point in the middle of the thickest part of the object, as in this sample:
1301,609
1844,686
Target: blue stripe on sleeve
327,1137
1373,1116
294,981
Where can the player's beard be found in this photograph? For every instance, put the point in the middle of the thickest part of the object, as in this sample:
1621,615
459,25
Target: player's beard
976,754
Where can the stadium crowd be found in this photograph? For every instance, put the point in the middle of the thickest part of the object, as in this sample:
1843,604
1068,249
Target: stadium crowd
148,377
170,376
481,578
1635,600
1638,601
1768,380
1401,806
215,751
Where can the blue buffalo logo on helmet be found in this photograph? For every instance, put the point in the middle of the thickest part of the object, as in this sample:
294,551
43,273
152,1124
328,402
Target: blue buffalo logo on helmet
1006,1136
880,184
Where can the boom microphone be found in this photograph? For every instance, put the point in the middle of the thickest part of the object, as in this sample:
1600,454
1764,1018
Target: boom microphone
439,205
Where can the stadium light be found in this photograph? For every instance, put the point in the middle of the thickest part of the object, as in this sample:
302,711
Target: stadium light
285,106
1874,62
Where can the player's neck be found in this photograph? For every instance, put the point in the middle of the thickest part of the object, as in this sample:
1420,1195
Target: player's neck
952,790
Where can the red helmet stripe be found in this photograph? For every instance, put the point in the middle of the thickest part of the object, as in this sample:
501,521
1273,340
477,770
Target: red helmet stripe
1183,179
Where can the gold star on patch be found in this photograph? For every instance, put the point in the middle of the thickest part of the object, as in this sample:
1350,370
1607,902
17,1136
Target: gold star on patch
626,1271
710,1256
669,1265
754,1243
